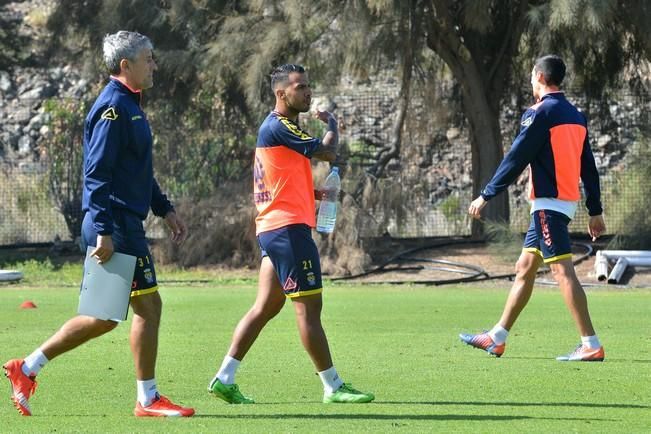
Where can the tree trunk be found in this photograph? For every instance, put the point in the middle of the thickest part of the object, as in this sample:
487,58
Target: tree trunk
482,70
487,153
385,155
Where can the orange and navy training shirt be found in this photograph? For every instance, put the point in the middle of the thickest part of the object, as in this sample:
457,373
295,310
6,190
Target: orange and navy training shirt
283,190
553,141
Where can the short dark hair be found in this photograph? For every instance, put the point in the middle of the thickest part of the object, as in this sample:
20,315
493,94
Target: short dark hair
552,68
280,74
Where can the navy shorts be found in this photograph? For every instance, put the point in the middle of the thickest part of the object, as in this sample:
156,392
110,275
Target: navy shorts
129,238
548,236
295,259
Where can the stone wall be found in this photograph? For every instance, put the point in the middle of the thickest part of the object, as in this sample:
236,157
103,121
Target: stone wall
22,93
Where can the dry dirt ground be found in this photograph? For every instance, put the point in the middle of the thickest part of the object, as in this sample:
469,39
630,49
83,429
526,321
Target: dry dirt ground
495,260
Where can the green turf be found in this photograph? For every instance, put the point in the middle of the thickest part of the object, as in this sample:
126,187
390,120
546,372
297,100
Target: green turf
399,342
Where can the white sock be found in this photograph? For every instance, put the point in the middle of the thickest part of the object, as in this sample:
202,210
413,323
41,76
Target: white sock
226,373
147,391
591,342
330,380
34,362
498,334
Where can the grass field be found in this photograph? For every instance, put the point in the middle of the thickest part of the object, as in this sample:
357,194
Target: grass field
399,342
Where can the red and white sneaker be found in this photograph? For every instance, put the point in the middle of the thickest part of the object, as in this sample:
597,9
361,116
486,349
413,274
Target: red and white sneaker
22,386
484,342
162,407
584,354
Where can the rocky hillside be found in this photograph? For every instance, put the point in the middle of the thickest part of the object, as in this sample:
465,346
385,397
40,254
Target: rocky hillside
29,80
22,92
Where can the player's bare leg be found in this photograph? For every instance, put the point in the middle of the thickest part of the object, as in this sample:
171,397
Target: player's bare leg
494,340
74,332
574,295
313,337
525,269
590,348
22,372
268,303
147,311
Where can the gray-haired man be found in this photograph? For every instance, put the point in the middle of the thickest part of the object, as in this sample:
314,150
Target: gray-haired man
119,190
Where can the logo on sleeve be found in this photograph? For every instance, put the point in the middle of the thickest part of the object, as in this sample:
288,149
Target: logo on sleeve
294,129
528,121
110,114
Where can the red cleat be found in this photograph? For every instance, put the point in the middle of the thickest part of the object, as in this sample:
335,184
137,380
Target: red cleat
22,386
162,407
484,342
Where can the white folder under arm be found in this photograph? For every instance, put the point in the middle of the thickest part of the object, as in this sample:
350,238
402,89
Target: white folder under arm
106,288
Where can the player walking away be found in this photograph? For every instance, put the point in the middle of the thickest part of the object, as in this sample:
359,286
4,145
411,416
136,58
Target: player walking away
290,268
553,142
119,190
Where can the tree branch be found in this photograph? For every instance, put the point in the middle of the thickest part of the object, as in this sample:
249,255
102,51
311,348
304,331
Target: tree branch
509,43
411,28
443,39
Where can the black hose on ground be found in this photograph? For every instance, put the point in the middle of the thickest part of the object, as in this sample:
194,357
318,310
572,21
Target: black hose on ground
473,273
383,267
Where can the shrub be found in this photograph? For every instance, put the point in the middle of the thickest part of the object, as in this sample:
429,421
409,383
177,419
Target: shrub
505,243
197,151
62,150
220,230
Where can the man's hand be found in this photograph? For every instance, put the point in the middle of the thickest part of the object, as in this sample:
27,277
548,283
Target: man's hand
104,249
476,206
320,195
176,225
327,150
596,226
324,116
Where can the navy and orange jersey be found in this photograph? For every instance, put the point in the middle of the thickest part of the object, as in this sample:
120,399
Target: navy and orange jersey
118,170
283,190
553,141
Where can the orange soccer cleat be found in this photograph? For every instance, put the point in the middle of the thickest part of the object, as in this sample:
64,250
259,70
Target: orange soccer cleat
584,354
22,386
162,407
484,342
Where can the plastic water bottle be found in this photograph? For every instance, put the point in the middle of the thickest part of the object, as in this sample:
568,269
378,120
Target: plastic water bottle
325,222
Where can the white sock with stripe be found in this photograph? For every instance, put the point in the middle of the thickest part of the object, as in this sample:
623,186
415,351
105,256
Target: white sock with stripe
330,380
34,363
147,391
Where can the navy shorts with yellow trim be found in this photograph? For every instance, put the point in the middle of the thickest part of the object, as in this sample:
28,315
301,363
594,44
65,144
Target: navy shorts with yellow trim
129,238
295,259
548,236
